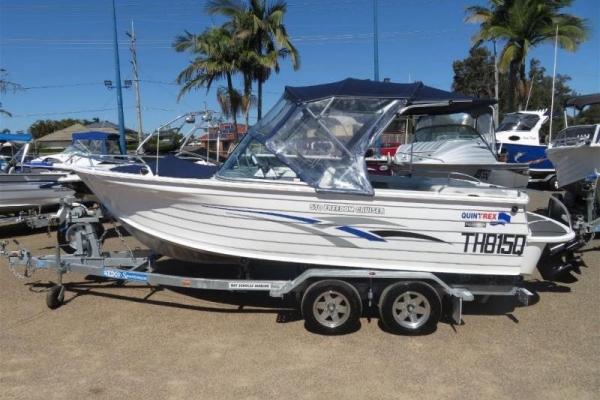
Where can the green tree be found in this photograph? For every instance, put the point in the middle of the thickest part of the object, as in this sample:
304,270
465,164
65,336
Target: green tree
216,59
474,75
260,29
44,127
522,25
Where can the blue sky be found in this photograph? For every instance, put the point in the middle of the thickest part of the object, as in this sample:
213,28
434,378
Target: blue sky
61,51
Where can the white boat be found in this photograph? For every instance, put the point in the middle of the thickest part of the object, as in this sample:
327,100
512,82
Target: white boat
87,148
98,149
274,199
576,150
457,139
23,190
519,137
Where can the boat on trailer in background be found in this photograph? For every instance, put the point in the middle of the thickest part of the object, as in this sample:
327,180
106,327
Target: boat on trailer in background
345,236
575,152
520,138
23,190
458,138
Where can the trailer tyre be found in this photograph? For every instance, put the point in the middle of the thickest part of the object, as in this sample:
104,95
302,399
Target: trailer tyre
553,183
67,235
55,297
331,307
410,308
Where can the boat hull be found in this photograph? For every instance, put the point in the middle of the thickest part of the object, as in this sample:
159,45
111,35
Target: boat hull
436,229
532,155
24,191
574,163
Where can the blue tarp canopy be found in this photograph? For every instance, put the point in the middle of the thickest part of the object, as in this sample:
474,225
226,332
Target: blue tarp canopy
414,93
15,137
95,135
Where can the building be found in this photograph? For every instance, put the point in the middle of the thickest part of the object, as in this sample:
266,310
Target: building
62,139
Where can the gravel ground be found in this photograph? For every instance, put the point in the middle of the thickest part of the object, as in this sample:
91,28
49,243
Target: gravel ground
133,342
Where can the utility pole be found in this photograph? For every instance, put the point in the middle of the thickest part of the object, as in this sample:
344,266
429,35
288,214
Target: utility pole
137,84
118,79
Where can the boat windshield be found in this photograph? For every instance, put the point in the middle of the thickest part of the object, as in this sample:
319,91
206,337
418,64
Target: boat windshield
94,146
321,143
576,136
518,122
438,133
458,126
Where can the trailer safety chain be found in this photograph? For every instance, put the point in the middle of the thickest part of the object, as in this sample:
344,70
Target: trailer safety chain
121,238
11,267
52,222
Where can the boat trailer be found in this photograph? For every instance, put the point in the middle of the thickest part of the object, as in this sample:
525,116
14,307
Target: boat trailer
331,299
584,211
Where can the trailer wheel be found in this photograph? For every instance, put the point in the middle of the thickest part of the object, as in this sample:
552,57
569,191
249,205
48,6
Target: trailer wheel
410,308
67,235
553,183
331,307
55,297
555,211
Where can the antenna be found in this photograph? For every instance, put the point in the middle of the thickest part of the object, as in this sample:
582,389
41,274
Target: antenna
553,82
530,90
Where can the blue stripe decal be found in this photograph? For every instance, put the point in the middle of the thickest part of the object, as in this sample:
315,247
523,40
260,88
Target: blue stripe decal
272,214
361,234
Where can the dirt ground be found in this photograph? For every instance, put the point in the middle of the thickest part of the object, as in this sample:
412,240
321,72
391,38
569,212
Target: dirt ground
135,342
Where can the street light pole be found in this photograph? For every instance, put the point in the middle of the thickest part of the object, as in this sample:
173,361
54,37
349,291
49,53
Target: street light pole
118,79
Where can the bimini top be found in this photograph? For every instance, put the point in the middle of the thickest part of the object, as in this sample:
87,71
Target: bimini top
15,137
579,102
319,134
415,94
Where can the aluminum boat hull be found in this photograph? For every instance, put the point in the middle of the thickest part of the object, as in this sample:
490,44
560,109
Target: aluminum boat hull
419,225
574,163
25,191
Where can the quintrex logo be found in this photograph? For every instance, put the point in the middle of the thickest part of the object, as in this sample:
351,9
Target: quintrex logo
493,218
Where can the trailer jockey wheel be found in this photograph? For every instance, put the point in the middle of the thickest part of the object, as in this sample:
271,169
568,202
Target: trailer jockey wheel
55,296
331,307
67,236
410,308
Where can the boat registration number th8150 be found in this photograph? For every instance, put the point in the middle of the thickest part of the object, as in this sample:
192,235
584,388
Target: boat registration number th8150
494,243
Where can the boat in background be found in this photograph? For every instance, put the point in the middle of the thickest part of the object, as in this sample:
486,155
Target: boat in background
276,199
23,189
457,138
87,148
576,150
96,149
519,137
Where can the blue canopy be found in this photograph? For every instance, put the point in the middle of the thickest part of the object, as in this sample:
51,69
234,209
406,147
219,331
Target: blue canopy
95,135
15,137
415,94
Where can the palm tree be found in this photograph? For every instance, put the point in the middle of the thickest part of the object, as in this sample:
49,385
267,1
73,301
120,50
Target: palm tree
260,27
523,25
216,59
